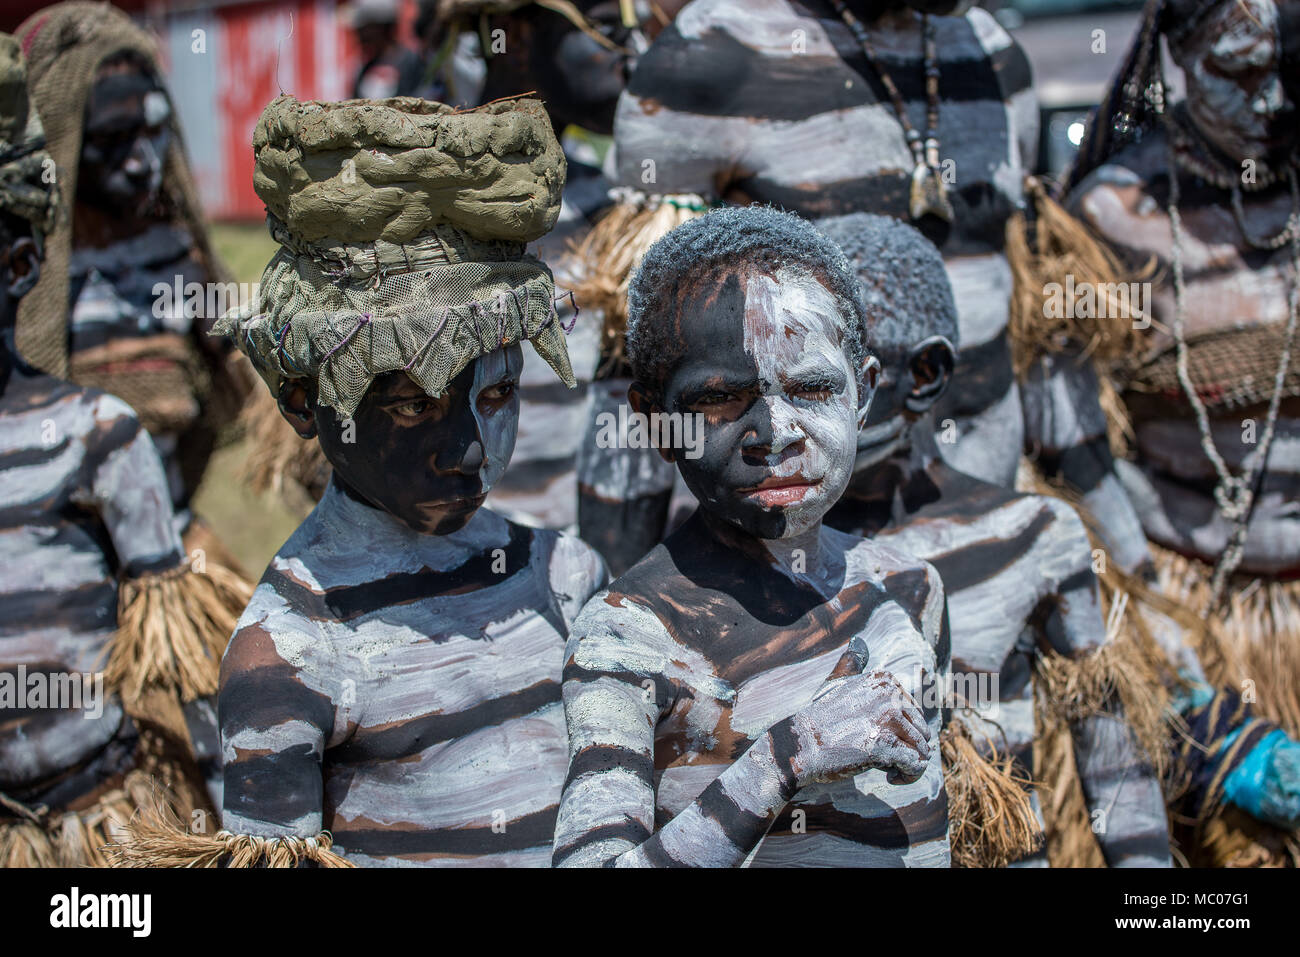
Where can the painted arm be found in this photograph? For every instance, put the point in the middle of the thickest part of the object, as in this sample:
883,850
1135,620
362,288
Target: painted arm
617,687
130,492
1125,802
275,722
128,489
1066,428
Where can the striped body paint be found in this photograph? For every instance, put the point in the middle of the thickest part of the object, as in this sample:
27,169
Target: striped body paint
402,690
541,487
700,716
1232,290
774,102
395,679
83,501
1017,569
115,336
690,666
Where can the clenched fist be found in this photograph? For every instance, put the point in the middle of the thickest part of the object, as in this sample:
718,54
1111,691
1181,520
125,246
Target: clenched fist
859,721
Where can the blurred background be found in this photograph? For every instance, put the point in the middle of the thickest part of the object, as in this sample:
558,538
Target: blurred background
226,59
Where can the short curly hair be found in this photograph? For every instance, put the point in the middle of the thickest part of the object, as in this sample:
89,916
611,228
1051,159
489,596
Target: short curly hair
902,280
704,251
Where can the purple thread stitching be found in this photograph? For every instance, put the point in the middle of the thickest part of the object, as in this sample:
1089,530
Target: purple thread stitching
364,320
446,313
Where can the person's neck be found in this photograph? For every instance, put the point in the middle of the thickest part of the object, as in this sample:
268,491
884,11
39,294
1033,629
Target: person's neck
369,528
891,490
803,558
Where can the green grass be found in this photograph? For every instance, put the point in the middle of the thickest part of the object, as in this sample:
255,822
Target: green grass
252,526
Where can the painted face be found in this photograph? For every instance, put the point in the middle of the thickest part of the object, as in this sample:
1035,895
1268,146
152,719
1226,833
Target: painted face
1234,85
125,142
428,462
886,430
764,363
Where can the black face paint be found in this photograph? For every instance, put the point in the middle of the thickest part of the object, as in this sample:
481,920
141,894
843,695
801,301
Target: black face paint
428,462
124,144
763,363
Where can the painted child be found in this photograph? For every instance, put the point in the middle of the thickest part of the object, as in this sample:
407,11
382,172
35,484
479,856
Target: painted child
748,690
109,640
1017,568
394,686
135,226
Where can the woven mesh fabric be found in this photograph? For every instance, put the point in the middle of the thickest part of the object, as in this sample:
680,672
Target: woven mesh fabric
1231,369
340,332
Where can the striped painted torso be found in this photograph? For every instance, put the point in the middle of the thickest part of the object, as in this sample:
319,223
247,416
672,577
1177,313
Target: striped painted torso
402,690
82,500
1017,573
121,328
1232,289
775,102
720,662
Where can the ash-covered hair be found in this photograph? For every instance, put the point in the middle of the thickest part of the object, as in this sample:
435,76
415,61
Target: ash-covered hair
901,278
704,251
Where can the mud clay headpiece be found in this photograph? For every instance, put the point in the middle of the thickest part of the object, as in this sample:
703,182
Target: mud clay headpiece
402,226
26,188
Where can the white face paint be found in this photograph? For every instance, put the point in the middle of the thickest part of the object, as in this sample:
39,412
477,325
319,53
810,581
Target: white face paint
500,426
1234,86
780,399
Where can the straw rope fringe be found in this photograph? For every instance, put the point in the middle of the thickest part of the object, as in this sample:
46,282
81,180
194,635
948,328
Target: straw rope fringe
1252,642
33,837
608,255
156,837
1062,246
172,631
991,817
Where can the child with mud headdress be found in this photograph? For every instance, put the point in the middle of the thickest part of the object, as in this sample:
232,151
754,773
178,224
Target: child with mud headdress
394,686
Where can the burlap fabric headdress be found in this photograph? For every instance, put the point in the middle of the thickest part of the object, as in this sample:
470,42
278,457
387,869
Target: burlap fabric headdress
27,190
403,226
65,45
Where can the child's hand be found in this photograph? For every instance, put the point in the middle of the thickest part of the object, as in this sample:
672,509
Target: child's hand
859,721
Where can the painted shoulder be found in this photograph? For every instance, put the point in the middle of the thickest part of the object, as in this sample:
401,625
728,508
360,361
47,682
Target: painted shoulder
872,553
629,600
1137,165
575,571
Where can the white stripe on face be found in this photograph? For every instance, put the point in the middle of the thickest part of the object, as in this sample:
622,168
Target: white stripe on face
497,429
794,332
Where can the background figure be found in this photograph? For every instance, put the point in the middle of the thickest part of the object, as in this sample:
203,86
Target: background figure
389,67
1207,189
823,108
106,313
578,70
109,638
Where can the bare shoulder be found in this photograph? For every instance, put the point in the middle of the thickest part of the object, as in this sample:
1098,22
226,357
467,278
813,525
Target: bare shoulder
877,559
631,603
574,570
1120,188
